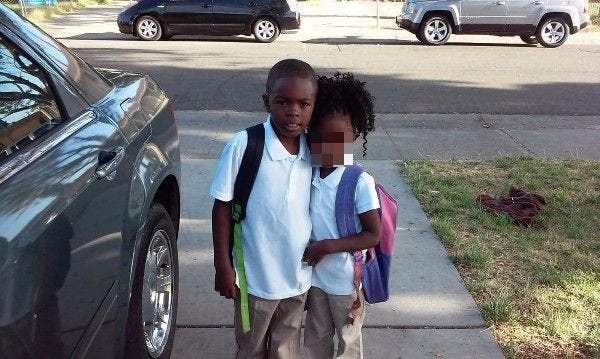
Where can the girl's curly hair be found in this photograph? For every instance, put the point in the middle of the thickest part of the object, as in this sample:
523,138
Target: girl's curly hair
343,93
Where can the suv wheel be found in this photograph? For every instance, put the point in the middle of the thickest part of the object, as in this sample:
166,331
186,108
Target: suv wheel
553,32
435,30
265,30
529,39
148,28
153,303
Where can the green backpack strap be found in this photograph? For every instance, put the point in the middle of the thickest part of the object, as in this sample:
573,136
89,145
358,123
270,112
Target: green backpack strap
241,192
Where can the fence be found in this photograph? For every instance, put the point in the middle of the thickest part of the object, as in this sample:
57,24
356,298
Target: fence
594,9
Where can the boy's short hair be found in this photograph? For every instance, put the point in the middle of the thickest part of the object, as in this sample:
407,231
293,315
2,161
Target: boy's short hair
290,68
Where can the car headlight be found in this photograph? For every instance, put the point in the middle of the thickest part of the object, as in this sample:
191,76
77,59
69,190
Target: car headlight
410,8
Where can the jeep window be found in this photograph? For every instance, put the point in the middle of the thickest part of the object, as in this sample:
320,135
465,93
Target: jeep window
28,108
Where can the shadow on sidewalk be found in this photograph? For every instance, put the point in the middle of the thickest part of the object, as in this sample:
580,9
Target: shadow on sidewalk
357,40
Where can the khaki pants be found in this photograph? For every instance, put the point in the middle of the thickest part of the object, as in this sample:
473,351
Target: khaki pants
274,328
327,316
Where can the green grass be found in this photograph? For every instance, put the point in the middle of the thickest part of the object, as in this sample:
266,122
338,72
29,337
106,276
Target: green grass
538,288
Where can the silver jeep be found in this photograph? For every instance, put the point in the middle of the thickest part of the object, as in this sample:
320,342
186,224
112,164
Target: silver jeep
548,22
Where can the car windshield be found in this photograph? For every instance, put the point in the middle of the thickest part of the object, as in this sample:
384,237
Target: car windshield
88,81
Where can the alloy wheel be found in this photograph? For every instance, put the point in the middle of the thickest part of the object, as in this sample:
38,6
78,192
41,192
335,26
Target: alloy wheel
436,31
157,294
265,30
553,32
148,28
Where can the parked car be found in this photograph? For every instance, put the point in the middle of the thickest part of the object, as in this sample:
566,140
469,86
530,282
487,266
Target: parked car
161,19
548,22
89,205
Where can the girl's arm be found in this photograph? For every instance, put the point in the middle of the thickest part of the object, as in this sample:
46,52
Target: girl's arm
367,238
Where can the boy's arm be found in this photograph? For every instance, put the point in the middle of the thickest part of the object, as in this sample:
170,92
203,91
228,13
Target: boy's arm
367,238
221,226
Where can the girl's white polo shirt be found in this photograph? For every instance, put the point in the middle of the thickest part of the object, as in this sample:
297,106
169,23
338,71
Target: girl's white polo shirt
277,226
335,272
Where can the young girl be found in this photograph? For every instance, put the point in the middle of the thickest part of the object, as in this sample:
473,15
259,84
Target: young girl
343,112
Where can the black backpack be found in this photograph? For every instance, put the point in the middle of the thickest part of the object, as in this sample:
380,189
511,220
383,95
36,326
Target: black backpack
241,192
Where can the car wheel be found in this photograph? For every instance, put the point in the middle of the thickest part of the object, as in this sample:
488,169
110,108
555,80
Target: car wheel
420,37
529,39
153,304
436,30
265,30
553,32
148,28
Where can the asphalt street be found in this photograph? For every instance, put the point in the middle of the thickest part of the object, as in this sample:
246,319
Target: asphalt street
471,74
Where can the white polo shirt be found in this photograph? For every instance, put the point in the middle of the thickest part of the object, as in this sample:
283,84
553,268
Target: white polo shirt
334,274
277,226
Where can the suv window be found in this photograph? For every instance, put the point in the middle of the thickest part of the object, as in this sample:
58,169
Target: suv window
28,109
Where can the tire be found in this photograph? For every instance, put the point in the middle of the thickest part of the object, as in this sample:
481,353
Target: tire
420,37
154,290
435,30
265,30
148,28
529,39
552,32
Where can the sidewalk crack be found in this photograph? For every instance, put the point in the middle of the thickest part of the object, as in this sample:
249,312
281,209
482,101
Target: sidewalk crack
486,124
515,140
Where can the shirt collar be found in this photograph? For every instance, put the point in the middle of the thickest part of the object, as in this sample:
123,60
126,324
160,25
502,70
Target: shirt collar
275,148
331,181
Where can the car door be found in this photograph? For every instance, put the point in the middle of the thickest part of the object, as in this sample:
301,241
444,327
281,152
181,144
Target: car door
233,16
63,198
483,16
524,15
191,17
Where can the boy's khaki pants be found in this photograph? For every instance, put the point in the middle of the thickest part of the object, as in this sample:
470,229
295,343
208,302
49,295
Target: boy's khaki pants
274,328
326,316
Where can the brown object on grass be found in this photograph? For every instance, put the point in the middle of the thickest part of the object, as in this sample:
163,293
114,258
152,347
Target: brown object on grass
520,205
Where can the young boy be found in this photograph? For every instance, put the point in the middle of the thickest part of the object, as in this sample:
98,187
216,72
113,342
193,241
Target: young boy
277,226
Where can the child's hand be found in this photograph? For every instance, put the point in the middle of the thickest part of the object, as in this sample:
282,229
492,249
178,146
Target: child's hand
225,282
315,251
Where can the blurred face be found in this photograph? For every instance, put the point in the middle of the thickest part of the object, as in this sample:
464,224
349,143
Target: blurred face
291,104
331,141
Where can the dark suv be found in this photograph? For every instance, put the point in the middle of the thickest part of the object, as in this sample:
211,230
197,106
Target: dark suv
161,19
89,205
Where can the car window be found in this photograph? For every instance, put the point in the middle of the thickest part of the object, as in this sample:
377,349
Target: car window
28,109
88,81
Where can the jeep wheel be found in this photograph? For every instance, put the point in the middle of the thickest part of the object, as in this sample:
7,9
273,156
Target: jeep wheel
436,30
153,304
553,32
529,39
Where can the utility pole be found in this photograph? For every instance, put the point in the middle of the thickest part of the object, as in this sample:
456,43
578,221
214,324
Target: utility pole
378,14
22,4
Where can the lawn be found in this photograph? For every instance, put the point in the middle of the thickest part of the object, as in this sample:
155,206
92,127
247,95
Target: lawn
538,288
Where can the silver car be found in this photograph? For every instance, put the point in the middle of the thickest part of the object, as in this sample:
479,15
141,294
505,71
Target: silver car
548,22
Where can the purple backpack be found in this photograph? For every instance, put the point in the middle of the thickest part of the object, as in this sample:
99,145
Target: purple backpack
374,273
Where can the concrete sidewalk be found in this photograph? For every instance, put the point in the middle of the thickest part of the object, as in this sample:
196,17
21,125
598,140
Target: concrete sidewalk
430,313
